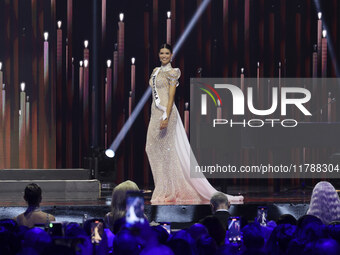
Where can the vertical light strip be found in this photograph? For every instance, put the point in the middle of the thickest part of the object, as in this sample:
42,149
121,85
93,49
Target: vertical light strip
204,104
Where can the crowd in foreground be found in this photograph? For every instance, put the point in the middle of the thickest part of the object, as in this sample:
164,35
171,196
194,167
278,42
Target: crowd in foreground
35,232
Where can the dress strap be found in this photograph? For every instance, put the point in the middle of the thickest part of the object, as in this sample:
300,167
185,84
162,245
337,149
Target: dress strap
47,219
155,95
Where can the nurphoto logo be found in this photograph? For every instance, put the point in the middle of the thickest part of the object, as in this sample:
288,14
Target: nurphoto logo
301,97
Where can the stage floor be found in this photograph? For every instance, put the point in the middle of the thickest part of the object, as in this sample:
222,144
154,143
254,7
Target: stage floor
284,196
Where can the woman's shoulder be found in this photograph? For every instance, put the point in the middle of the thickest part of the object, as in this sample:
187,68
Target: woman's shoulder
109,215
173,76
108,218
19,217
154,70
174,73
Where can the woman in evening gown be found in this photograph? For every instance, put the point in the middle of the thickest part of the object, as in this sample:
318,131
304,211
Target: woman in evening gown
167,145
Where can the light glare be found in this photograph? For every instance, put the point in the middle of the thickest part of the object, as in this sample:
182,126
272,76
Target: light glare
22,86
121,17
109,153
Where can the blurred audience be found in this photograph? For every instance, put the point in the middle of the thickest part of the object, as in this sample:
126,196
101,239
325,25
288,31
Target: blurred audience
197,231
322,246
215,229
253,238
206,245
181,243
316,233
157,250
161,234
286,219
35,241
280,238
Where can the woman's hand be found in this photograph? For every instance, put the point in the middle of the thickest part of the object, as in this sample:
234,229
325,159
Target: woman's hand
164,124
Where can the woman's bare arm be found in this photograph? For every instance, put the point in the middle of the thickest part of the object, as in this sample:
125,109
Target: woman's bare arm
172,92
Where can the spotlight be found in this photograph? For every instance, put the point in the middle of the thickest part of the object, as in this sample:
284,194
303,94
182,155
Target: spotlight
109,153
101,167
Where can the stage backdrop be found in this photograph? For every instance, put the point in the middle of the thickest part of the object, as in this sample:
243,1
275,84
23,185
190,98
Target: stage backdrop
69,81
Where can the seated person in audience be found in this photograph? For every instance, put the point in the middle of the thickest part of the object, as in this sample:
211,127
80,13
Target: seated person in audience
181,242
253,238
197,231
325,203
35,241
333,231
306,219
9,241
33,214
156,250
219,205
286,219
215,229
118,204
280,238
309,229
323,246
161,234
126,243
206,245
132,239
9,224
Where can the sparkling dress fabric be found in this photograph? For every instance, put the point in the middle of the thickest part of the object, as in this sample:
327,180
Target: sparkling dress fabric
168,151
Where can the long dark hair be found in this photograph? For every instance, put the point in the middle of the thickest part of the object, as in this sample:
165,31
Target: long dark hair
118,205
166,46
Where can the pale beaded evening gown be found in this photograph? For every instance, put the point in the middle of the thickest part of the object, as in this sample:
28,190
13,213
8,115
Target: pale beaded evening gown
168,151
